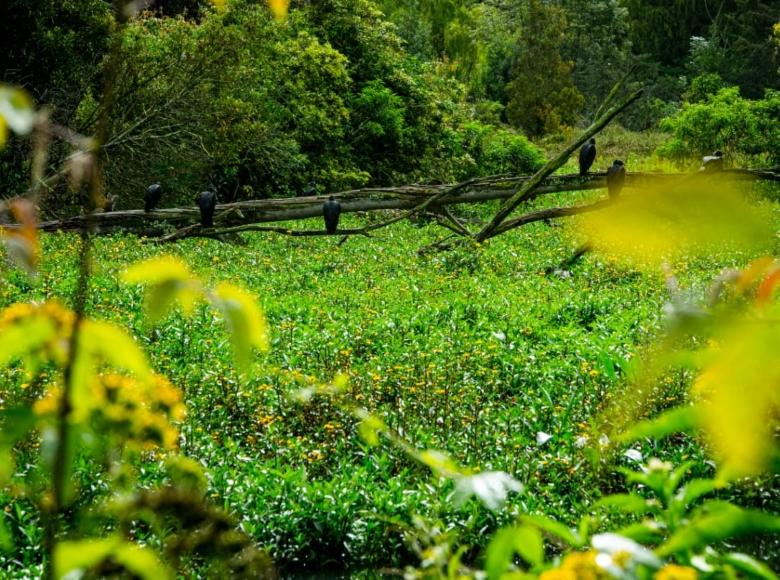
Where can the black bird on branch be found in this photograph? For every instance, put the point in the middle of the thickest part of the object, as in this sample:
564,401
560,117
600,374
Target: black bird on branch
110,203
712,163
207,202
331,210
616,177
152,196
310,190
587,156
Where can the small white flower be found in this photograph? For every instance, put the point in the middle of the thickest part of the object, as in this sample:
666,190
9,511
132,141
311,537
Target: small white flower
580,442
542,438
16,109
499,335
632,553
491,487
655,464
633,455
603,440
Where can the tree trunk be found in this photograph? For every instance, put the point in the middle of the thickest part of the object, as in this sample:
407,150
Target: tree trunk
159,221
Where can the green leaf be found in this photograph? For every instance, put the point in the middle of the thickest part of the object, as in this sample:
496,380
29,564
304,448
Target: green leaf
245,322
115,346
629,503
142,562
525,541
160,298
647,532
7,463
6,539
16,423
103,342
369,429
677,420
453,566
718,521
749,566
696,488
79,556
170,281
23,338
555,528
157,271
440,463
675,477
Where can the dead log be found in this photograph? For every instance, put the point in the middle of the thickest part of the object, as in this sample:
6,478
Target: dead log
243,213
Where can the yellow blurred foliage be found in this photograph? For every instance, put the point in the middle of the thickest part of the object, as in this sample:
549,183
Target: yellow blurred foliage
3,132
22,242
657,224
739,393
279,7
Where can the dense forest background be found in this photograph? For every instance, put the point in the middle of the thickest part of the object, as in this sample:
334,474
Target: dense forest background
346,93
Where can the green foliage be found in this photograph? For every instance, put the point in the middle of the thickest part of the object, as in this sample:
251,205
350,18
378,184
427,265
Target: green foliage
51,48
738,46
328,95
664,29
541,95
740,127
525,541
80,556
478,149
597,42
96,406
703,87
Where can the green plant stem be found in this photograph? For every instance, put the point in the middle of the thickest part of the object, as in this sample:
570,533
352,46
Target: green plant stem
62,452
95,187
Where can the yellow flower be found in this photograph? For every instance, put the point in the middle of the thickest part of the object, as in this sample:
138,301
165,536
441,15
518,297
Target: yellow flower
675,572
576,566
139,413
558,574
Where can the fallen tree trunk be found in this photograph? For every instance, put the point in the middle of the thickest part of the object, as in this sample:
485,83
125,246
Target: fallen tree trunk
245,213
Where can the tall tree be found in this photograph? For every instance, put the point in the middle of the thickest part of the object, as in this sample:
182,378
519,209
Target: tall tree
663,28
541,95
739,47
598,42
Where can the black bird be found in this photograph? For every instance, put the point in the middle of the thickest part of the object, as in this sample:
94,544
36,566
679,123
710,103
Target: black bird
587,156
616,177
207,202
152,196
331,209
310,190
712,163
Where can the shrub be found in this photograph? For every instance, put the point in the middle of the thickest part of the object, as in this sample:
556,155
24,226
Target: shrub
726,121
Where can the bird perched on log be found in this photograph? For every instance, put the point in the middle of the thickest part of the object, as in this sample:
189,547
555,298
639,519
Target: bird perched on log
331,210
587,156
110,203
712,163
616,177
310,190
152,196
207,202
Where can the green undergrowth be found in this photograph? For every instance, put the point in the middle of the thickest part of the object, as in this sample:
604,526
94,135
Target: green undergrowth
474,353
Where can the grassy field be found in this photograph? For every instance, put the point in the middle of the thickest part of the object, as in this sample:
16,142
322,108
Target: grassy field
473,353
